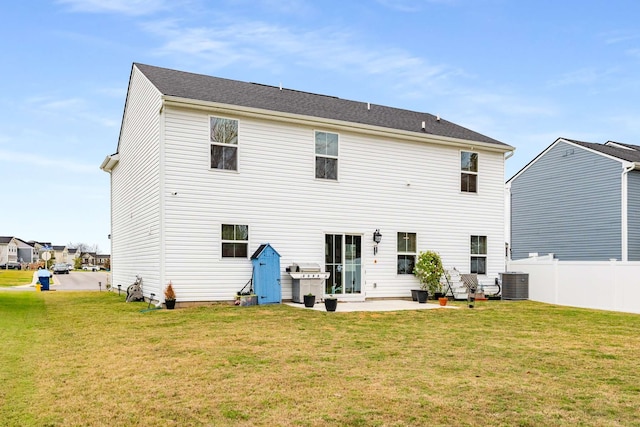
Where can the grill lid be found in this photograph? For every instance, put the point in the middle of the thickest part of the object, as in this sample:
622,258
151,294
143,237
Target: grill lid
305,267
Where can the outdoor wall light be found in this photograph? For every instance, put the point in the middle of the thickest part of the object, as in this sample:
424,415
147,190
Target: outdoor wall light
377,237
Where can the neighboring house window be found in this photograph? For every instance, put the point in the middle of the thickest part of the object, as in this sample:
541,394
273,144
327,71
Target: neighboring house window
469,172
406,252
327,155
479,254
224,143
235,241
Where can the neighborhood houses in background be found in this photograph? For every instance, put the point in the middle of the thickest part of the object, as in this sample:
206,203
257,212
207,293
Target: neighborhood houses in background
579,201
207,170
16,253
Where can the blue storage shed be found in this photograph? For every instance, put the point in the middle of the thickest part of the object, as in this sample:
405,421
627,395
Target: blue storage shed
266,275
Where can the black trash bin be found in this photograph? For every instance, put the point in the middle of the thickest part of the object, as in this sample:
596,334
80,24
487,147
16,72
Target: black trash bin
44,283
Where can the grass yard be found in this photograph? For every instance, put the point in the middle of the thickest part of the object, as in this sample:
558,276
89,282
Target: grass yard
73,358
15,277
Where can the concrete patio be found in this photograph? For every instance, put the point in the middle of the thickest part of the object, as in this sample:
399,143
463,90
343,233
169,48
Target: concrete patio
375,305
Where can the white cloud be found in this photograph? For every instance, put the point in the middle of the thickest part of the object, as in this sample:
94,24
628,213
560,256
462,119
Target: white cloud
126,7
620,36
629,124
69,109
329,50
289,7
410,5
633,52
583,76
45,163
256,44
509,104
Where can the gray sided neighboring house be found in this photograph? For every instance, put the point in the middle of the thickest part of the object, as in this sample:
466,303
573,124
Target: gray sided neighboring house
579,201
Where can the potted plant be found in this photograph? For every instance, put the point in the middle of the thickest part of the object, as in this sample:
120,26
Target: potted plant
170,297
331,303
309,300
444,280
428,270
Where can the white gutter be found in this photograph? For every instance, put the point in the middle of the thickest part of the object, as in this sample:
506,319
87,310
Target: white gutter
177,102
109,162
625,206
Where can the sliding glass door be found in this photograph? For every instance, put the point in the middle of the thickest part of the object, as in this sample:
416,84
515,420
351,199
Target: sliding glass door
343,259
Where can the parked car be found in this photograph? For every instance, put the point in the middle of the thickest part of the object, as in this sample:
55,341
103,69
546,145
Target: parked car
60,268
91,267
11,266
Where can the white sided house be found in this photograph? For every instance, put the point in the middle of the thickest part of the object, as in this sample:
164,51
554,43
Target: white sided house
207,170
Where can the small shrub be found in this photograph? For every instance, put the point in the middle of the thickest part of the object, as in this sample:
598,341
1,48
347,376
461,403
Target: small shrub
429,270
169,293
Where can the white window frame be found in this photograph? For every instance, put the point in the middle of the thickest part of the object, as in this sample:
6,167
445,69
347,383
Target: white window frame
473,255
470,172
214,143
317,155
406,253
234,241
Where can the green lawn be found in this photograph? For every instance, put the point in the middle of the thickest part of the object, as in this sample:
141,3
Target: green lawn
72,358
15,277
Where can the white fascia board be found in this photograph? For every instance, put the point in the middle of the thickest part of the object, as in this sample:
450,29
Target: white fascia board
109,162
178,102
625,163
535,159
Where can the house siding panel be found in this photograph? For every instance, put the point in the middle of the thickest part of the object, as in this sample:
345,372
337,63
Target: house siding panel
633,216
135,228
568,203
391,185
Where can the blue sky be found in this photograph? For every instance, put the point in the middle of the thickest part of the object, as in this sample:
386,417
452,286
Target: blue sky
523,72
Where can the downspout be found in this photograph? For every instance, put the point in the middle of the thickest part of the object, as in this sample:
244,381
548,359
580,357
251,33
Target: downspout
625,217
507,217
161,203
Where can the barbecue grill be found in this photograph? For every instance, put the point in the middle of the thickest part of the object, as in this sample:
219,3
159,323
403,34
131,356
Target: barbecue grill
307,279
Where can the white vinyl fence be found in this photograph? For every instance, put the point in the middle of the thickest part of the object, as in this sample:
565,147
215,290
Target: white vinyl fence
605,285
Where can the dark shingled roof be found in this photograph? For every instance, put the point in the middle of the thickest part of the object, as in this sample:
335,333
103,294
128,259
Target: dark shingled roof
214,89
632,154
5,239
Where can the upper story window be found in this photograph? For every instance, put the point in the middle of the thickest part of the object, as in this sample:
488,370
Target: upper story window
479,254
235,241
406,253
223,135
469,172
326,155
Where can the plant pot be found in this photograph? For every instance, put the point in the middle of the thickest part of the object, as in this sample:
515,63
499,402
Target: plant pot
170,303
422,296
247,300
443,301
309,300
414,294
331,304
